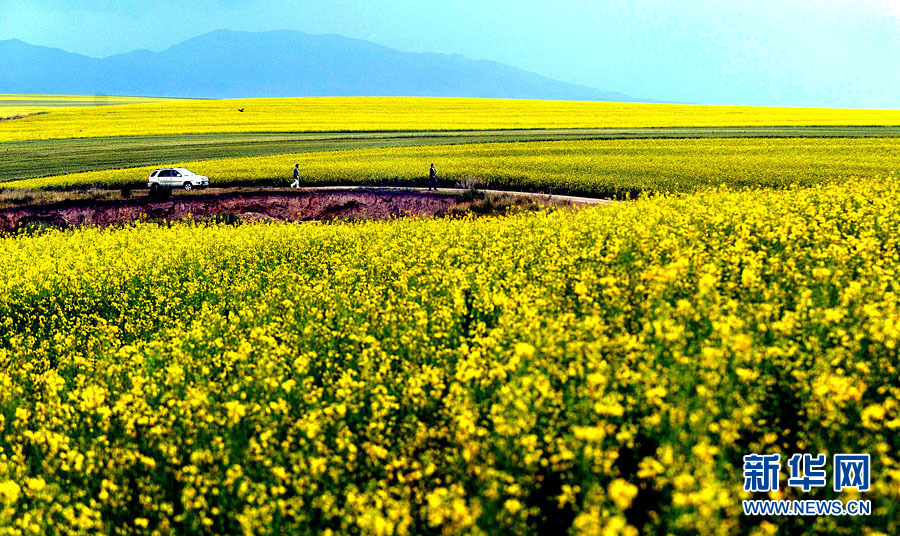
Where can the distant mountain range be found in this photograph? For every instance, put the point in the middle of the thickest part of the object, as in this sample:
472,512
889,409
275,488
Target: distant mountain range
228,64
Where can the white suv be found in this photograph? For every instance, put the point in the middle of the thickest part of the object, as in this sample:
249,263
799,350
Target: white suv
178,177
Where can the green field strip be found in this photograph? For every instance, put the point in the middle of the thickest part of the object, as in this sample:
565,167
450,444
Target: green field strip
41,158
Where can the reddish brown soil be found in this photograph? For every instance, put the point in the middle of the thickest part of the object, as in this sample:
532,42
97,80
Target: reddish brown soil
23,116
289,205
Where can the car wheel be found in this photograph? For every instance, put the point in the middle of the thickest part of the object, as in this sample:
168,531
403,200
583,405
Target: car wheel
187,186
154,187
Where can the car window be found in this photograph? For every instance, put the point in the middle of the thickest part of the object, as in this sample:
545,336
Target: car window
154,173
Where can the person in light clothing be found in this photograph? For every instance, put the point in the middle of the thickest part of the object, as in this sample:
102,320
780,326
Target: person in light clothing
296,183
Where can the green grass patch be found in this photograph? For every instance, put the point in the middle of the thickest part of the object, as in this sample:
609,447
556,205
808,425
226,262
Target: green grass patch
42,158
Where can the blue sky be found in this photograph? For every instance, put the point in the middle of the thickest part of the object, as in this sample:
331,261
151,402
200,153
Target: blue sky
762,52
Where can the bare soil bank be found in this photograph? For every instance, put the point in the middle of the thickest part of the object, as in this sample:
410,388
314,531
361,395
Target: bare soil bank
247,205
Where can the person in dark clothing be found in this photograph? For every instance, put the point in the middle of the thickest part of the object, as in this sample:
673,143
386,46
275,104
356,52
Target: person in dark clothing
432,178
296,183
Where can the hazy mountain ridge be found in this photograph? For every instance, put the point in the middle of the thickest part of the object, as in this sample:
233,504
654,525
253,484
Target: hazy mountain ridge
228,64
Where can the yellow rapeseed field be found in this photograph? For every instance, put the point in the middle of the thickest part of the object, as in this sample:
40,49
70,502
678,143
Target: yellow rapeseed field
602,370
13,105
412,113
593,371
600,167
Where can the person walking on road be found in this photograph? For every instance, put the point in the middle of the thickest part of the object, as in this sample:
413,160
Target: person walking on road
432,178
296,183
